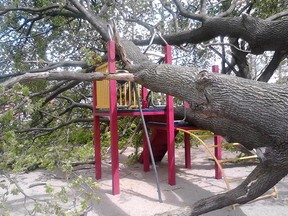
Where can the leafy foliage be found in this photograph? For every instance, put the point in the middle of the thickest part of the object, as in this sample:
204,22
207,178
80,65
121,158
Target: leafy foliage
267,8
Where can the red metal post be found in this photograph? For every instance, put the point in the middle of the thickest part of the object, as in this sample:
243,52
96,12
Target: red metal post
170,126
218,155
96,135
217,140
113,120
144,97
187,151
187,144
146,157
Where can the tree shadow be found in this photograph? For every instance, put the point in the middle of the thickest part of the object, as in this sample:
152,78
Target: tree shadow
139,192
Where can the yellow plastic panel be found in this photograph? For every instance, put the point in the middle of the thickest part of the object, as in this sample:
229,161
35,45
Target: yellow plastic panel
102,88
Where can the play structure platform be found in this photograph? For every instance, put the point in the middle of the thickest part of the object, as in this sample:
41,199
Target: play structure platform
116,98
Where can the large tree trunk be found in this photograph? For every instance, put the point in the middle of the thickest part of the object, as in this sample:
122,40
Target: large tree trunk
252,113
241,110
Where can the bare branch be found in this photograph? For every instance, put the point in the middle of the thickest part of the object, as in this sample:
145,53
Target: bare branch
144,24
65,75
73,121
227,44
272,66
45,92
185,13
229,10
60,89
28,9
52,66
74,105
53,10
240,59
203,7
12,181
174,15
278,15
224,59
97,22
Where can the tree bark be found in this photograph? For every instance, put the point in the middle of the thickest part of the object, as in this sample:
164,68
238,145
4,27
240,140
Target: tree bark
66,75
262,35
245,111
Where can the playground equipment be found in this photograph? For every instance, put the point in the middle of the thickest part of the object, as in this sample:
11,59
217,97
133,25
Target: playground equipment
159,119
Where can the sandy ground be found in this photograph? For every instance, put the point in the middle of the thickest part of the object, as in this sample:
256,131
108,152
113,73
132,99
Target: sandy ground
139,194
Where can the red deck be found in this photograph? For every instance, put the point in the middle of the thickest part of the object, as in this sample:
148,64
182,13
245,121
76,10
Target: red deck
133,112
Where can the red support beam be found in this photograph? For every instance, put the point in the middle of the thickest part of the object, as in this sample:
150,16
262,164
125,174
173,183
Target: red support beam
144,97
113,119
170,125
218,155
187,151
187,143
217,140
146,157
96,135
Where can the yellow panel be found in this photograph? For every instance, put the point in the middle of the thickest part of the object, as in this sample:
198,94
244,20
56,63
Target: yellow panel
126,99
102,88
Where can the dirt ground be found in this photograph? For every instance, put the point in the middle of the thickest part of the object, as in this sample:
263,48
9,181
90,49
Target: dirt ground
139,193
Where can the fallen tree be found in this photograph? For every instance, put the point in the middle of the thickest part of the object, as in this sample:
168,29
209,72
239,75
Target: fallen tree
240,110
246,111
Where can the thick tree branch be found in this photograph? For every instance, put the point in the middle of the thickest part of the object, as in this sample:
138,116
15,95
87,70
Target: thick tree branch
211,110
53,10
65,75
97,22
278,57
28,9
261,35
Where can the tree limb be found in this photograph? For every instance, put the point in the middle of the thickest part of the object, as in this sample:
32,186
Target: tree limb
73,121
97,22
229,10
259,34
185,13
65,75
272,66
278,15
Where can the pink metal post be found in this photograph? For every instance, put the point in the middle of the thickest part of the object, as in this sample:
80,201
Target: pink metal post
146,157
217,140
187,144
218,155
96,135
187,151
113,120
144,97
170,125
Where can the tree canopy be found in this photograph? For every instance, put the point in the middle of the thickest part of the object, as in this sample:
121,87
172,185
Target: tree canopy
52,47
